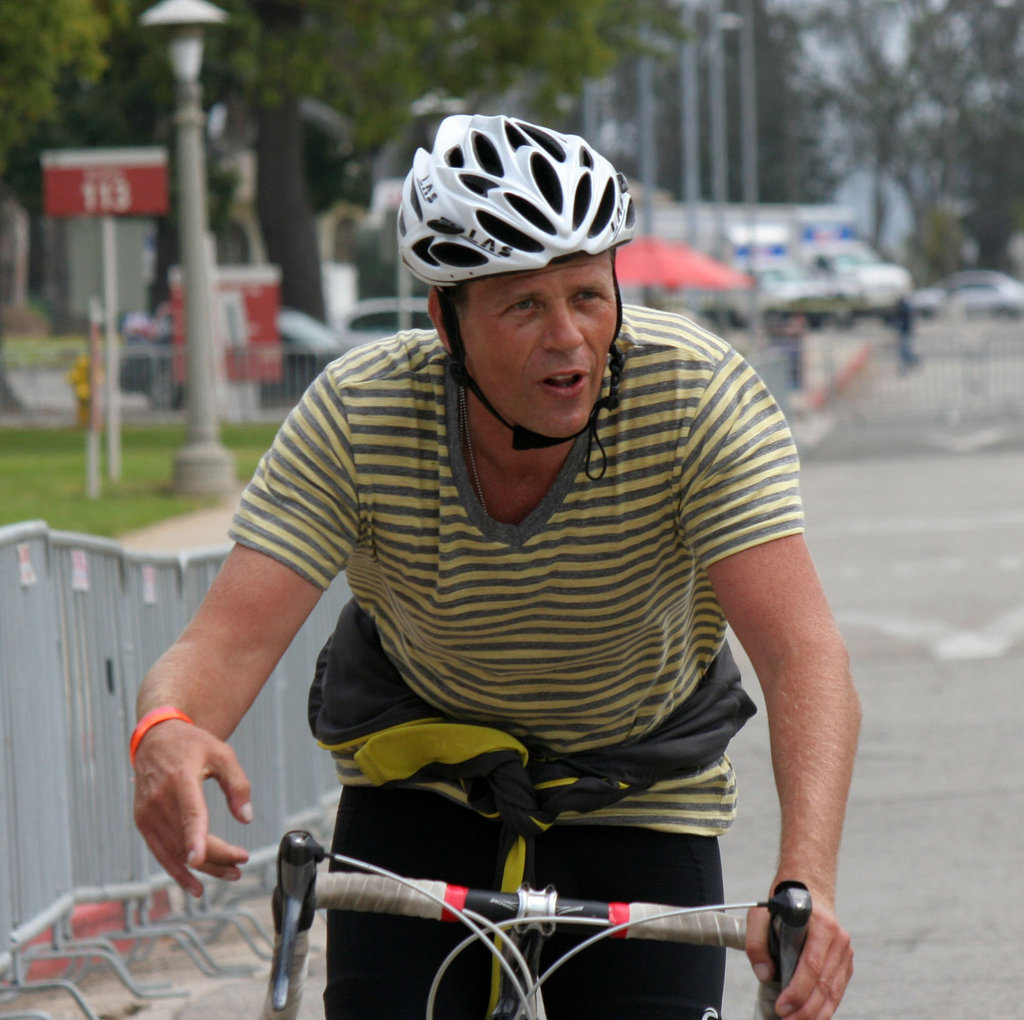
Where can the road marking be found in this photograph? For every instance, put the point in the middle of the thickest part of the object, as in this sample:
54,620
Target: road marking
946,641
853,570
920,525
972,442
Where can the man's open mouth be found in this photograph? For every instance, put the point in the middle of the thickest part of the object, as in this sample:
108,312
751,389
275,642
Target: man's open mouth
564,381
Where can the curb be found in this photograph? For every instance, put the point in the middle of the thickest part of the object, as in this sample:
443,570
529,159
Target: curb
819,398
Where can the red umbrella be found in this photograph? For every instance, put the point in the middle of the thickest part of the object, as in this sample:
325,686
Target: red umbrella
652,262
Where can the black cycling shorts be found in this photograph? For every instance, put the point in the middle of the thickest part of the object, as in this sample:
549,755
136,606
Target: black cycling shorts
381,968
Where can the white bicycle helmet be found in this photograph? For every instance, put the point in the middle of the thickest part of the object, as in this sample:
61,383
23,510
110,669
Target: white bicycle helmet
498,195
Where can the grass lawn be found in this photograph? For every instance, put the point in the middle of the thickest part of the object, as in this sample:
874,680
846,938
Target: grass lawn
42,476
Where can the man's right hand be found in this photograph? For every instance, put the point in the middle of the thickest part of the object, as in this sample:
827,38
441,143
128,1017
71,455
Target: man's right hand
171,763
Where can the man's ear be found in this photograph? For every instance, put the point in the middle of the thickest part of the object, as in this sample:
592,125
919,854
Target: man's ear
434,311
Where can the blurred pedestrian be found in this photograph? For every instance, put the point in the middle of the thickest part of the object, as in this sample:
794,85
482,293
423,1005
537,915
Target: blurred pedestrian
903,323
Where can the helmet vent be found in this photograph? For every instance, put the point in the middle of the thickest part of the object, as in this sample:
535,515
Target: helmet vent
515,137
604,211
415,202
530,212
508,234
422,250
458,255
547,181
444,226
546,142
478,185
586,158
581,205
487,155
455,157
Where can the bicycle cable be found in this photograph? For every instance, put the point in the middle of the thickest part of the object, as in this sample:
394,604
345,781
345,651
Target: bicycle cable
478,925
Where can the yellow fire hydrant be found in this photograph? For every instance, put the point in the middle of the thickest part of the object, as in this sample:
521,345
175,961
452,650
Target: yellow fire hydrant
79,378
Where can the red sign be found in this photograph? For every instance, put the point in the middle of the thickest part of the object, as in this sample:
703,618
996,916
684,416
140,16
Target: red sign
247,300
105,182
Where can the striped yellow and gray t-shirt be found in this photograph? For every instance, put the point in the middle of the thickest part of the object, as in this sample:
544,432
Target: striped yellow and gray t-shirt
592,620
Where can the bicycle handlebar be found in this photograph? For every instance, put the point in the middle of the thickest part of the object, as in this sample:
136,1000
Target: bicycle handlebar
300,892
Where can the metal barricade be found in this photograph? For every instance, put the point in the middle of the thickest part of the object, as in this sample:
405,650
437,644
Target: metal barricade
37,822
88,576
81,622
36,887
291,776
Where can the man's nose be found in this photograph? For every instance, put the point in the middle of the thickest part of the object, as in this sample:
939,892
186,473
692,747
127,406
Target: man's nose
562,330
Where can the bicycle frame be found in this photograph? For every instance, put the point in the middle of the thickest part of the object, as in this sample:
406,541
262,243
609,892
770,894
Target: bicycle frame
518,922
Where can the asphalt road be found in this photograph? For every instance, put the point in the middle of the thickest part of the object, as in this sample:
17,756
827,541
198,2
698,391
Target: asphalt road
922,556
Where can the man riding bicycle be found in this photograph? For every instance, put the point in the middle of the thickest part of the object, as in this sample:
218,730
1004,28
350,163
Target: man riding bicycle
548,510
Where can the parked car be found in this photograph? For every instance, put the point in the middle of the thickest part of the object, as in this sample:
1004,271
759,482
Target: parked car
147,359
373,318
308,346
975,292
859,275
786,289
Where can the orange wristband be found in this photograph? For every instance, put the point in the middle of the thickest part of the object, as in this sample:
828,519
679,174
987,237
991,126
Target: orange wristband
148,721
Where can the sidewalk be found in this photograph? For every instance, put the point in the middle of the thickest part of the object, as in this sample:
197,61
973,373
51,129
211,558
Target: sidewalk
199,529
175,985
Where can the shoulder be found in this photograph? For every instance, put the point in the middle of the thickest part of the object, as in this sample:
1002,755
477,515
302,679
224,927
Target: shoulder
671,335
385,386
667,352
397,376
414,354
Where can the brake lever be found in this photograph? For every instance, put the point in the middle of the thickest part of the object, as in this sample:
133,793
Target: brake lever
790,908
294,905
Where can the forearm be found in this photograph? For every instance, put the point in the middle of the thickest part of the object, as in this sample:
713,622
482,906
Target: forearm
216,668
190,676
814,720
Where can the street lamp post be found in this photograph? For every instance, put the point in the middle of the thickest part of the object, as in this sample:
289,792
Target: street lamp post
690,124
748,105
203,466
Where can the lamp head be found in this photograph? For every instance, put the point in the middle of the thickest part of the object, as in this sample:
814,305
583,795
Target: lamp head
187,20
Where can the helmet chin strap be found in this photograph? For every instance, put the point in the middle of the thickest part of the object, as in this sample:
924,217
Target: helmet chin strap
522,437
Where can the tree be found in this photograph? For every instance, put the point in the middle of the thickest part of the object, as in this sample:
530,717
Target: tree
794,163
927,95
859,74
990,146
39,43
791,164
